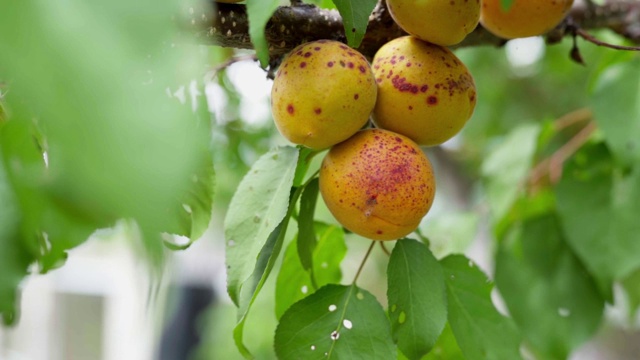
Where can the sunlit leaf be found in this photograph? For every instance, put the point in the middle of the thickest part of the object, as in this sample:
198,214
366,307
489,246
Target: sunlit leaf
258,206
416,296
336,322
549,293
616,106
481,332
355,16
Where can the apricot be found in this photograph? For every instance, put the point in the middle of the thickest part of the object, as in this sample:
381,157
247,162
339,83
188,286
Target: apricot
323,93
377,184
442,22
424,91
524,18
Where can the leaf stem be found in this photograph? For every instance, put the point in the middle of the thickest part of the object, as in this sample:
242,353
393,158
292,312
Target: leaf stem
384,248
364,260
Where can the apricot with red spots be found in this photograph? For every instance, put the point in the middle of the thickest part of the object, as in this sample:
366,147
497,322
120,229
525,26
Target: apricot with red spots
377,184
323,93
424,91
442,22
523,18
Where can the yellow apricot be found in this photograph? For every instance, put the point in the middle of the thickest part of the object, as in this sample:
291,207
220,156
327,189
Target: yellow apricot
377,184
323,93
424,91
442,22
524,18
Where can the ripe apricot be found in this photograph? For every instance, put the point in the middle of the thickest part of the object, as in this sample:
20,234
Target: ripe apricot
524,18
377,184
424,91
442,22
323,93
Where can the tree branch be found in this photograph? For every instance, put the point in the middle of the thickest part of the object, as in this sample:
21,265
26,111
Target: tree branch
227,26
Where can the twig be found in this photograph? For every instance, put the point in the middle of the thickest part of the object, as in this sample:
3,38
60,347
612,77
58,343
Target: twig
364,260
552,165
572,118
216,69
590,38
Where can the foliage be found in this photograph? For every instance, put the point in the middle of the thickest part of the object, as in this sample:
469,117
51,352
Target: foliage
92,134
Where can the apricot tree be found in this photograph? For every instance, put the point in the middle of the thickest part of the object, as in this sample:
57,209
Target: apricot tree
103,122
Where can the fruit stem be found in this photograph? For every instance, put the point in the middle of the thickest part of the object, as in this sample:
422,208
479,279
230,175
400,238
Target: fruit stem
384,248
366,256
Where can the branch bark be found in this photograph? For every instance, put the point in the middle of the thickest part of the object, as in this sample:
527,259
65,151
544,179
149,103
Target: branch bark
227,25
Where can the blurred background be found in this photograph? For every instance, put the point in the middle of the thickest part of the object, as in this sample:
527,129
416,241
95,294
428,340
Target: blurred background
106,304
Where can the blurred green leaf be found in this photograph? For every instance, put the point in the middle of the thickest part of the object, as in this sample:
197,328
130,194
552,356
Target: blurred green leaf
549,293
446,348
481,332
96,80
526,207
259,13
336,322
257,208
355,16
15,256
599,215
506,167
294,283
450,233
416,297
306,233
631,285
616,106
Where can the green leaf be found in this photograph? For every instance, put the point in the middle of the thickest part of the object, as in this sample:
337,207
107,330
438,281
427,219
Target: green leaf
259,12
250,288
506,4
355,16
616,106
294,283
258,206
507,166
306,233
481,332
549,293
336,322
631,285
446,347
416,297
598,210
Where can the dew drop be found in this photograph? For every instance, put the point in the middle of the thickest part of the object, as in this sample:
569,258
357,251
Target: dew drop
335,335
256,219
452,277
402,317
324,265
313,347
187,208
360,296
332,308
470,263
564,312
304,289
347,324
394,307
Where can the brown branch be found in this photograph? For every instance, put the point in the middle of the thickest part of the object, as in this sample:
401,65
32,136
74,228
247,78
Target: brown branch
592,39
227,25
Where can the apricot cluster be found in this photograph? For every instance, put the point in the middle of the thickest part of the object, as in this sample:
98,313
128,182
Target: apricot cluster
378,182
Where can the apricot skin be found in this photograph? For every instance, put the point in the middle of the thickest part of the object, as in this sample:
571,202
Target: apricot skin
442,22
323,93
424,91
524,18
377,184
